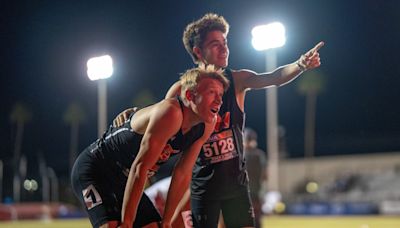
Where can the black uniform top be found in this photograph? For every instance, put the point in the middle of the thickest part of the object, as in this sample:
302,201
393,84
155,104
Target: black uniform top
119,146
219,171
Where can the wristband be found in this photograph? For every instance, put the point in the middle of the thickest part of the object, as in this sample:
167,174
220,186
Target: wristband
302,68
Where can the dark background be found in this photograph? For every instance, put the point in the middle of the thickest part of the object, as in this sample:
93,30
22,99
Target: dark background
45,46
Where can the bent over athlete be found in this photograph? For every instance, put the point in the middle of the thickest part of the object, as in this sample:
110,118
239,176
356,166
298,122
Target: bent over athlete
108,177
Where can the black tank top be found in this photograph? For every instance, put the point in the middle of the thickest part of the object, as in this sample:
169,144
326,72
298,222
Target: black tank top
219,171
119,146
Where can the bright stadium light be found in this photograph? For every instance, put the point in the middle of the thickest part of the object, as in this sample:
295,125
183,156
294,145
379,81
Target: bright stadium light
268,37
101,68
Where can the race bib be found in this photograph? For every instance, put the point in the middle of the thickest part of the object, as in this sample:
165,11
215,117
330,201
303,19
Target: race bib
220,147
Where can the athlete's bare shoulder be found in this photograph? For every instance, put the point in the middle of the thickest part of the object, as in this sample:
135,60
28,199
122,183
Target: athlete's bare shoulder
170,103
168,109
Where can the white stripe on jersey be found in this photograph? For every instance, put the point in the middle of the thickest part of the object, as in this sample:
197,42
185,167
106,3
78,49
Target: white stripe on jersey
111,135
116,132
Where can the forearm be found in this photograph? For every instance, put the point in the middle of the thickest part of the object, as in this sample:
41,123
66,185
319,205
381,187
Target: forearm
179,185
133,193
181,177
246,79
183,205
286,73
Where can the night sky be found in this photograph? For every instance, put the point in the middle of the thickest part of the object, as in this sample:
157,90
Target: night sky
45,46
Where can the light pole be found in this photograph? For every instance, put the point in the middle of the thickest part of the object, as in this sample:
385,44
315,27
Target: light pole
1,181
268,37
53,184
101,68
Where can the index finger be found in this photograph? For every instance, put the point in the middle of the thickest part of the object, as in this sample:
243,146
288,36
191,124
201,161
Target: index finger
318,46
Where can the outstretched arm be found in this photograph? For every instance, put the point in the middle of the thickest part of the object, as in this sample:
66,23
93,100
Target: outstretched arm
164,122
246,79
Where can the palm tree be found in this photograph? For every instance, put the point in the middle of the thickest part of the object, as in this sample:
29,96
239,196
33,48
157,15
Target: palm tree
310,84
20,115
74,116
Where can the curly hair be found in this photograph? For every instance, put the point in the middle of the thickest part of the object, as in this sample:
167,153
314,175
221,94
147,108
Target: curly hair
195,33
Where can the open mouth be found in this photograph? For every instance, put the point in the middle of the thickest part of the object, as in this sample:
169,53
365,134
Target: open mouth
214,110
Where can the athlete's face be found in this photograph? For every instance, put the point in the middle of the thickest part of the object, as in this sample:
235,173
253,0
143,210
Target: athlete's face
214,49
208,99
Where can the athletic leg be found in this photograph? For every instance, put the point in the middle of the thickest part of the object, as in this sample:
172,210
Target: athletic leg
238,211
205,213
95,197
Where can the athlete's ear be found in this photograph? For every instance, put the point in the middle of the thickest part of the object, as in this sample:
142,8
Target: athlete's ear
197,52
189,95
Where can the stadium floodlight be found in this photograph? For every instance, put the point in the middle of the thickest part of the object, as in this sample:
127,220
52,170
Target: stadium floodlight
101,68
268,37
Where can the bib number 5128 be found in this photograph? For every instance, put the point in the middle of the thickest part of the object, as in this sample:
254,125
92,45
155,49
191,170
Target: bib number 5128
218,147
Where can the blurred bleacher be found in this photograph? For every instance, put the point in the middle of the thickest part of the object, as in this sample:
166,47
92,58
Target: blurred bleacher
357,184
